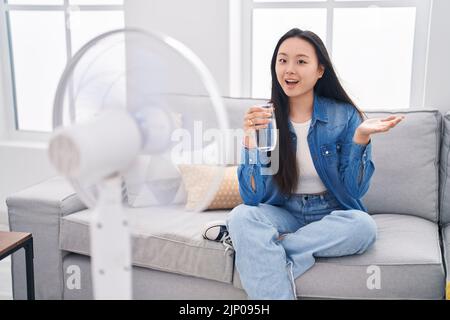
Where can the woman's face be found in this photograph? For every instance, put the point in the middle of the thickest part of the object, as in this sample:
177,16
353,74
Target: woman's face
297,67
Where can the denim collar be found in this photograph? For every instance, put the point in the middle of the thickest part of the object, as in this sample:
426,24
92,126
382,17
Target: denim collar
319,112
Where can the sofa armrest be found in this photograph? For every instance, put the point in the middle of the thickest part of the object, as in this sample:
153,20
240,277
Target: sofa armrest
54,196
38,210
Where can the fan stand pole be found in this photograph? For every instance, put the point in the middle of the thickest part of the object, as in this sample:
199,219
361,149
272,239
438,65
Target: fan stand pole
110,244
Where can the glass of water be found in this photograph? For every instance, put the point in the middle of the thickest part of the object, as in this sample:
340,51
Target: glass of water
266,138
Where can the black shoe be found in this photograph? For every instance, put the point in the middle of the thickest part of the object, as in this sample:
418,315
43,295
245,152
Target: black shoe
217,231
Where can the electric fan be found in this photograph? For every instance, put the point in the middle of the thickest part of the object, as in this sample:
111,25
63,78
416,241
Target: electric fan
124,100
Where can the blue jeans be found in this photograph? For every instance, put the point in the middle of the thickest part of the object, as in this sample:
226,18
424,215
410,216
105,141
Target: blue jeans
274,245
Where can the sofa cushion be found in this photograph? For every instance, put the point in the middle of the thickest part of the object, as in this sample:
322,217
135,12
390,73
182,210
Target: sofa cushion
237,107
406,258
445,172
167,239
406,177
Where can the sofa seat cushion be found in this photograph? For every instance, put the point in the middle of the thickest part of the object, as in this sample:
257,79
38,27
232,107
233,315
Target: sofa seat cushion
404,263
167,239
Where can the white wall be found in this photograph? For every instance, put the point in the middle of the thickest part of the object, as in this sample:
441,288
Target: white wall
202,25
3,115
437,94
21,165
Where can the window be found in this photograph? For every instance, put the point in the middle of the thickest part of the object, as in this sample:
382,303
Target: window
41,37
378,48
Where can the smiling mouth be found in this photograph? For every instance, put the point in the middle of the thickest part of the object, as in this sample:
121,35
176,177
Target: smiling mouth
291,83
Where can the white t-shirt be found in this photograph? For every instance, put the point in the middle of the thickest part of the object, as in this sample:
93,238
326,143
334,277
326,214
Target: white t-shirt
309,181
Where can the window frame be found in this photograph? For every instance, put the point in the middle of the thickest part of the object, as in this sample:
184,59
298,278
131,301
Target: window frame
9,113
244,41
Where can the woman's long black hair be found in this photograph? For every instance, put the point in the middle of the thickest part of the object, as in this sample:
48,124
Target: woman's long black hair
327,86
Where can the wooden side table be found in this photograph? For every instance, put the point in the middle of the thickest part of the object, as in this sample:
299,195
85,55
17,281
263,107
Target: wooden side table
10,242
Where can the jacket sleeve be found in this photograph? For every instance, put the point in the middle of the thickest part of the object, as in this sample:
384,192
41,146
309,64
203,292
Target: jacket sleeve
250,165
356,167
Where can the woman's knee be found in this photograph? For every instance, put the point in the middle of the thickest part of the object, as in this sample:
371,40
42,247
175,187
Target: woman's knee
240,216
363,227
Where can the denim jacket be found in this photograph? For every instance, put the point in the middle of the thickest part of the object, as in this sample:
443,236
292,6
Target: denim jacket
344,167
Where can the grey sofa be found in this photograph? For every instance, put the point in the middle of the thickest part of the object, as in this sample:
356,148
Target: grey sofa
409,199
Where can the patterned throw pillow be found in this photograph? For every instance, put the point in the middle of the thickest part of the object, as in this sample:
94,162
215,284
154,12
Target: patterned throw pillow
198,181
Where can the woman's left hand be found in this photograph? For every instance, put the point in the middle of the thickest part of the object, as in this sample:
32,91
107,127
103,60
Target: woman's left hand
375,125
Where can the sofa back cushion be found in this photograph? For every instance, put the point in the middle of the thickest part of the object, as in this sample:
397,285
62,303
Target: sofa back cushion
406,159
236,109
445,172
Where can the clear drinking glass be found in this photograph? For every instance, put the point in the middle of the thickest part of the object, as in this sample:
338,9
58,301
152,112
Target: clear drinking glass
266,138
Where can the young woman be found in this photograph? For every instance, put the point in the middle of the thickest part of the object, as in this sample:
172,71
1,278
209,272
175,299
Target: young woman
310,207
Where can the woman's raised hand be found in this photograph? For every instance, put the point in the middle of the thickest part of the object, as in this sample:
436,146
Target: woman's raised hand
375,125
